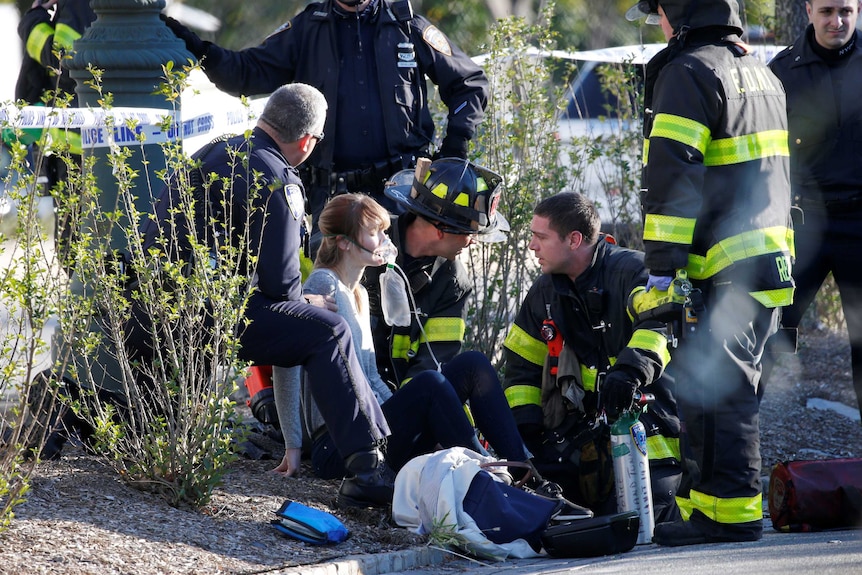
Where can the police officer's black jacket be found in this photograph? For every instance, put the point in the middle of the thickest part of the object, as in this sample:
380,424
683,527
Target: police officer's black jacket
824,113
305,50
266,190
592,319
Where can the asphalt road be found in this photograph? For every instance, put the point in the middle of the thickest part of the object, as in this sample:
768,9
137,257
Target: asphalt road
823,553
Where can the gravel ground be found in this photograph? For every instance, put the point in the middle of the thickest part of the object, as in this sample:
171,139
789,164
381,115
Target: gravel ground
79,519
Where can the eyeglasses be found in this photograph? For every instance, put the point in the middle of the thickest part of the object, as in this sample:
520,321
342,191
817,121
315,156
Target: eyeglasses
319,136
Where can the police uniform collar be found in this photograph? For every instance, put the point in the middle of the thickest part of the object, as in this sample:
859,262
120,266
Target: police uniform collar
369,11
828,54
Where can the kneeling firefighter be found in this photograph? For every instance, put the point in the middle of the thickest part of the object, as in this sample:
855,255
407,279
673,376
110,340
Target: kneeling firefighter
573,355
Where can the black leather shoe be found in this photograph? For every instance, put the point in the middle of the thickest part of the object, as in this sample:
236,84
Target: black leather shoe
371,482
679,533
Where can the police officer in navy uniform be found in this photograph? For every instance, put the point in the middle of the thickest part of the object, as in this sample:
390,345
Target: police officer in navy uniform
284,329
370,59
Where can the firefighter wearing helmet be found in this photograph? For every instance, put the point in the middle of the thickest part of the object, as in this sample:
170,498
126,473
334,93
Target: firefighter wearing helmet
716,199
447,207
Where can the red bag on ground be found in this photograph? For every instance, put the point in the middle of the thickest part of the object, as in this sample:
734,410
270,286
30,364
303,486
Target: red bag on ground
815,495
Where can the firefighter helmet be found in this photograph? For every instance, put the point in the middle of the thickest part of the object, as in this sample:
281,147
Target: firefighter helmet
458,196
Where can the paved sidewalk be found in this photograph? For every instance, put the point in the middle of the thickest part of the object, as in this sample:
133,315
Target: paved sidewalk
822,553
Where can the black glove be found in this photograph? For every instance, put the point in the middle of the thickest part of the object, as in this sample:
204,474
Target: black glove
193,42
617,392
452,147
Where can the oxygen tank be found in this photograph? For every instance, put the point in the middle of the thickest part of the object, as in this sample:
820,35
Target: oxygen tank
631,472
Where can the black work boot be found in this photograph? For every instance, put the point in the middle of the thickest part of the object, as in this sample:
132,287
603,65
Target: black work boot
370,482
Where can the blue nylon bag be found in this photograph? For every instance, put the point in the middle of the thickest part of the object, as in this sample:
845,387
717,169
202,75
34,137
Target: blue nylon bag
307,524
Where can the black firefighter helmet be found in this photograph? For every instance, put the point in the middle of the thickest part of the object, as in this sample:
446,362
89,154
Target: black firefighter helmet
458,196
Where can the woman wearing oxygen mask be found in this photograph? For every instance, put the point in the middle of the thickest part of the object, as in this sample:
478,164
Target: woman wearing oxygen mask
427,412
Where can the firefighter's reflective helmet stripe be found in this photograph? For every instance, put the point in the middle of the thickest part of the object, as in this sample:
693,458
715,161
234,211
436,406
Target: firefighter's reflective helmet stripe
530,348
651,341
521,395
728,510
669,229
660,447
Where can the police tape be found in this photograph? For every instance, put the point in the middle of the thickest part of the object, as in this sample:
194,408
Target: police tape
125,126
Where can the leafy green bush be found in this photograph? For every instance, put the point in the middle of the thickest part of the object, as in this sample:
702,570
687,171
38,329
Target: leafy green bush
519,139
167,425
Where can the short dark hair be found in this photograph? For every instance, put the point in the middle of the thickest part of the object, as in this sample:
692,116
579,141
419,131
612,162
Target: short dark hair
570,212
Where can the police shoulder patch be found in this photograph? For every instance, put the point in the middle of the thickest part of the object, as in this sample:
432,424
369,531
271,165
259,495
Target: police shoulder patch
295,201
282,28
437,40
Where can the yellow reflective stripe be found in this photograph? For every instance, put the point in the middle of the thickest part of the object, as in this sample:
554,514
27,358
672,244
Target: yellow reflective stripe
444,329
729,510
660,447
462,200
37,39
737,248
651,341
645,154
469,415
682,130
727,151
780,297
440,190
670,229
71,138
520,395
685,508
400,346
530,348
64,36
588,377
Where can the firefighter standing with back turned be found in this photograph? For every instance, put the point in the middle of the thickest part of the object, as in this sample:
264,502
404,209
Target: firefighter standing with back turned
716,198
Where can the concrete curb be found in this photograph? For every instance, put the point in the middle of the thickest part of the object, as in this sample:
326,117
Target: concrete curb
378,564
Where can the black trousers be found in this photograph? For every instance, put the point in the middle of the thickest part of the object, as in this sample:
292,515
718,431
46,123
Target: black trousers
829,240
717,372
289,333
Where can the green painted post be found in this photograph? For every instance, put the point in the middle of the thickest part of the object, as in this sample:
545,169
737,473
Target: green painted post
129,44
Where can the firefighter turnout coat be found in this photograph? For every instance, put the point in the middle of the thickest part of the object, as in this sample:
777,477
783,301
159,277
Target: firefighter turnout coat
591,317
716,199
440,289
